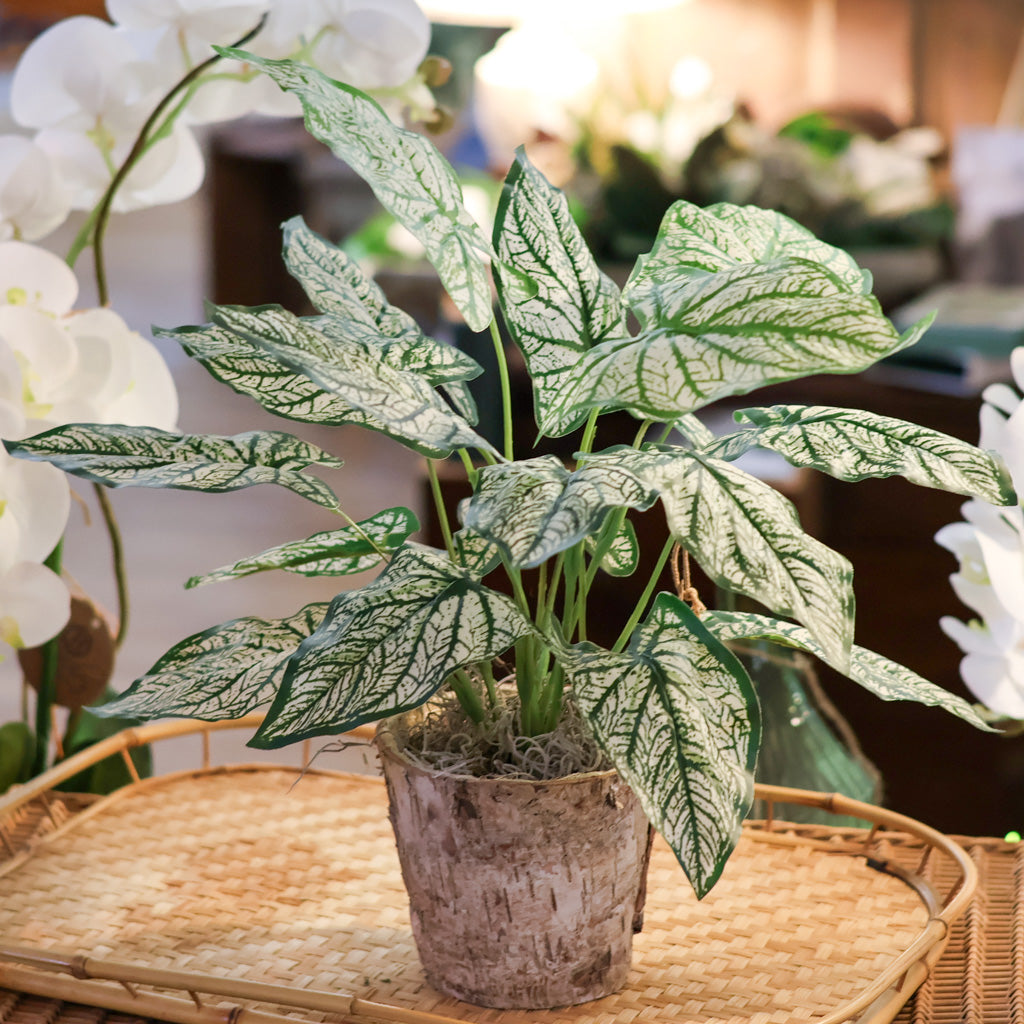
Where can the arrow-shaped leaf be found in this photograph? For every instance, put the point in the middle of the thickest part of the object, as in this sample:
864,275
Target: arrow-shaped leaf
332,553
851,444
746,536
885,679
534,508
221,673
387,648
406,172
120,456
623,557
396,402
569,305
678,715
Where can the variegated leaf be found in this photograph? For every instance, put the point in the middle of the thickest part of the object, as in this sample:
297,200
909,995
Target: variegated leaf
534,508
692,240
332,553
221,673
475,553
851,444
387,648
120,456
746,536
885,679
622,558
395,402
709,336
569,305
406,172
679,717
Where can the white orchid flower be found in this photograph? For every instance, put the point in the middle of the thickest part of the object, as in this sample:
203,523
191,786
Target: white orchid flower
33,198
35,277
35,604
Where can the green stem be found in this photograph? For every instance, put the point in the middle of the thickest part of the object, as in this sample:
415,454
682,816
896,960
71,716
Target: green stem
506,388
645,597
467,695
47,694
551,699
586,443
117,554
439,506
467,463
487,674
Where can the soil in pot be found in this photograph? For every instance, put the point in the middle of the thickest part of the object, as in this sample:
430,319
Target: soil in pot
524,891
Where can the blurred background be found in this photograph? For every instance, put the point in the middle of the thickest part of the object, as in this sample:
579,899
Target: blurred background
893,128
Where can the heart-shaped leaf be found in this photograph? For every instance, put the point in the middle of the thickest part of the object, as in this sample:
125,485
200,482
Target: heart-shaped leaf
341,552
678,715
406,172
221,673
388,647
851,444
120,456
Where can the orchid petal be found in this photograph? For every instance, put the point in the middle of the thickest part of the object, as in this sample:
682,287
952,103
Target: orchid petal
39,502
33,198
36,277
34,604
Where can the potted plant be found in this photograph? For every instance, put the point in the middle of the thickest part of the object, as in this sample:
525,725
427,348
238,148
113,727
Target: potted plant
729,299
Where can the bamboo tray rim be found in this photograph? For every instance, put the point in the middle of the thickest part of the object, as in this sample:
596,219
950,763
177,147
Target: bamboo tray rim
86,979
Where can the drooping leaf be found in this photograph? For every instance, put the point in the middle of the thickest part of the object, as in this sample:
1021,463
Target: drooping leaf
571,305
623,557
406,172
851,444
711,335
398,403
885,679
221,673
120,456
355,308
341,552
746,536
387,648
534,508
678,715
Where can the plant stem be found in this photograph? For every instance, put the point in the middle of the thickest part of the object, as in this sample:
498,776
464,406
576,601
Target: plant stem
467,695
47,693
117,554
645,597
487,674
506,388
439,506
467,463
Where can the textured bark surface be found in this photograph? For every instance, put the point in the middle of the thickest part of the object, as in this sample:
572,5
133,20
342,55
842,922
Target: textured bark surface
522,894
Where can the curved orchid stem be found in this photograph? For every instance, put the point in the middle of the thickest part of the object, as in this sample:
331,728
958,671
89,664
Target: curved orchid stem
117,553
47,692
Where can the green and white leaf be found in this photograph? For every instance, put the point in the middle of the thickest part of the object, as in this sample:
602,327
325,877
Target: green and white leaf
570,305
118,456
221,673
388,647
692,240
341,552
534,508
885,679
679,717
395,402
708,336
475,553
746,536
850,444
623,557
406,172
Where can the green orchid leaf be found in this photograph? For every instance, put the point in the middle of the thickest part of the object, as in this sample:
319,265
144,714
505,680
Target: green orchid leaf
885,679
120,456
355,308
395,402
388,647
678,715
332,553
17,752
570,306
692,241
406,172
623,557
746,536
534,508
850,445
221,673
709,336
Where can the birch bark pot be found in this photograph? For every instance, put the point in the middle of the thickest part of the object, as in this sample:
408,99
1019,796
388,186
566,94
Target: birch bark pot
522,894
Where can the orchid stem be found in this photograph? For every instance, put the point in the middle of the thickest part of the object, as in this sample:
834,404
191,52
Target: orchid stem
47,693
117,554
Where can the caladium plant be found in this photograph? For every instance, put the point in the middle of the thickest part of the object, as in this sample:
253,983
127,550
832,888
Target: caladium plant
728,300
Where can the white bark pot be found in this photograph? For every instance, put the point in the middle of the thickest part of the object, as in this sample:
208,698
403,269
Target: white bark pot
522,894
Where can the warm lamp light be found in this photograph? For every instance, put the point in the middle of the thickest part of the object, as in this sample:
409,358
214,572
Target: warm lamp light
513,13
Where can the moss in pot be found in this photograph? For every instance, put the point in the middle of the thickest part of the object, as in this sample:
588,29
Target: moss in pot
728,300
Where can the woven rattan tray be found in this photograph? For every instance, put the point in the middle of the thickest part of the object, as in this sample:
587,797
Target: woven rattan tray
252,886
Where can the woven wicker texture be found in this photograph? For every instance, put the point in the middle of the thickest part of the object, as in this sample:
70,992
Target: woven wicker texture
235,874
